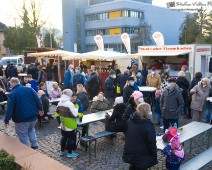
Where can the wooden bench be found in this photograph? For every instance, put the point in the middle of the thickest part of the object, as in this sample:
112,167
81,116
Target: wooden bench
27,157
89,139
198,161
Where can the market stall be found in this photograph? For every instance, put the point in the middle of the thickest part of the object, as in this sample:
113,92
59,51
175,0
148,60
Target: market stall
196,57
54,56
102,60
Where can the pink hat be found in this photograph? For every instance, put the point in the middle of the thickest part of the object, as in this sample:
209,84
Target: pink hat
173,131
175,142
137,95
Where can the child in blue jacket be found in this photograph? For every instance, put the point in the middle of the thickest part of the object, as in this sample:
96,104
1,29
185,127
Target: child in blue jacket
175,154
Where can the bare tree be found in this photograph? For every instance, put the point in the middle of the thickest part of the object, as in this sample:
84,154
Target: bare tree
143,34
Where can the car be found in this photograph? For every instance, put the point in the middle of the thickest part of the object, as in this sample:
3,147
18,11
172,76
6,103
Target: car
19,59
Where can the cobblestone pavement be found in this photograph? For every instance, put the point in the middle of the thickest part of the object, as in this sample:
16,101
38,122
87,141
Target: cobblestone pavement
109,154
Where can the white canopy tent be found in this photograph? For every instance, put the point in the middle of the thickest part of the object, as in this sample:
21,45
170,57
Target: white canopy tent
57,54
100,55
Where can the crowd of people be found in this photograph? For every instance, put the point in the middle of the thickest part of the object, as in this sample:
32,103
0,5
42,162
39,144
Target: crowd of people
29,100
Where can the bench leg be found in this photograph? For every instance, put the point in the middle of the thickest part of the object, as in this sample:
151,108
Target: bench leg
95,148
190,145
208,138
89,148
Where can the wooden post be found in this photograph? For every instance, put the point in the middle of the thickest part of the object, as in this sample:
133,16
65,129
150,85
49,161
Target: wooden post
58,64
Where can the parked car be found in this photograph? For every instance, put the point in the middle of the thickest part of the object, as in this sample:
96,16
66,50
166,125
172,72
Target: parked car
13,59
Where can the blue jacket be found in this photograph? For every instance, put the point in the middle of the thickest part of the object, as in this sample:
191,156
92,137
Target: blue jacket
23,105
78,79
78,104
34,85
67,80
140,82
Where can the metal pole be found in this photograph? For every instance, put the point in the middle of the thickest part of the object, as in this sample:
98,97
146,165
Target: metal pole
58,63
50,39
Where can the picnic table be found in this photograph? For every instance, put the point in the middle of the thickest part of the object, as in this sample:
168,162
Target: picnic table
189,131
54,100
93,117
151,91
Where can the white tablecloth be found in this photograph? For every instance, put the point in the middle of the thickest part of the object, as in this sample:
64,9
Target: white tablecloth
22,75
147,89
209,99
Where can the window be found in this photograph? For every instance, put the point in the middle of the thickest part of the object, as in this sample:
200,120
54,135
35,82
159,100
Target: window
93,17
132,14
126,30
102,32
90,32
91,47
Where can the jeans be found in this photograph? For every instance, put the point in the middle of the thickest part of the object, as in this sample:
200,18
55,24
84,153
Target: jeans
208,112
68,141
26,133
158,117
167,122
185,109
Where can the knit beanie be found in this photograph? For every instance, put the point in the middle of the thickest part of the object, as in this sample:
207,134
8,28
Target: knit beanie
112,72
137,95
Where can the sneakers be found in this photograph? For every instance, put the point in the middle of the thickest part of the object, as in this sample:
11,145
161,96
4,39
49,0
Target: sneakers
72,155
62,153
34,147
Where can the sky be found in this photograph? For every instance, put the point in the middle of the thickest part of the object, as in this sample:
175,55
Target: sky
51,11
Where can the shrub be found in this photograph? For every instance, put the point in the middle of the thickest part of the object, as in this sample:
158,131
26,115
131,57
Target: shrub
7,161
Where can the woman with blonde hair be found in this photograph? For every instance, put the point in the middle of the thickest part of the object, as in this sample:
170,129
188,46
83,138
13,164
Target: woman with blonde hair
82,95
183,83
140,149
55,92
100,103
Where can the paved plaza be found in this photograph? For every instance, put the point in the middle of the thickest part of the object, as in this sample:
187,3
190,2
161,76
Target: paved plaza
109,153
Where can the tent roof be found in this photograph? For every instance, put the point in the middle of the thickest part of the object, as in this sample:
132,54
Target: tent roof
56,53
101,55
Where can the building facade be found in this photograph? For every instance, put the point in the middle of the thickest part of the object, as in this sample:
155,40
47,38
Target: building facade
83,19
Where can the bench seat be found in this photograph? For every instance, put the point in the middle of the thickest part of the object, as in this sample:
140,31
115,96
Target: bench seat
199,161
96,136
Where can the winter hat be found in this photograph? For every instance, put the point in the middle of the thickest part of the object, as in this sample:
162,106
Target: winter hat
119,100
130,79
175,142
139,71
172,80
68,92
137,95
112,72
153,68
127,72
173,131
